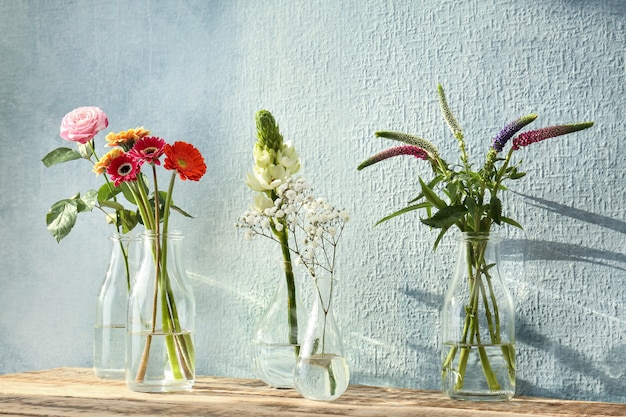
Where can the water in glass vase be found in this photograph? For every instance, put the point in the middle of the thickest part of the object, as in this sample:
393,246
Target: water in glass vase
160,375
109,351
274,363
479,372
323,377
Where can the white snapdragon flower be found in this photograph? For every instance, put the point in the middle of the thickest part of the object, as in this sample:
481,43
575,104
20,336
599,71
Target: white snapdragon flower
253,182
263,157
288,157
262,202
267,178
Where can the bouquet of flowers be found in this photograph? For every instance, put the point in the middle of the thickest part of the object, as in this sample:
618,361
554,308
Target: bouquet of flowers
466,197
285,211
121,168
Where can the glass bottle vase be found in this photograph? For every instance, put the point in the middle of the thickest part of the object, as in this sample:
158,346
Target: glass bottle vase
278,333
478,325
160,319
322,371
110,327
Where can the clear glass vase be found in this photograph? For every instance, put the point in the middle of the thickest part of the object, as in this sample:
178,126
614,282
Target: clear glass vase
478,325
160,319
110,327
278,333
322,371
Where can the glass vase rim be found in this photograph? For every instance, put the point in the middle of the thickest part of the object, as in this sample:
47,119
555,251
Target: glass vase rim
175,234
494,237
124,236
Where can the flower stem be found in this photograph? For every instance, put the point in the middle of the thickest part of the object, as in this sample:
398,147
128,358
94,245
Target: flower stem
292,313
479,280
179,346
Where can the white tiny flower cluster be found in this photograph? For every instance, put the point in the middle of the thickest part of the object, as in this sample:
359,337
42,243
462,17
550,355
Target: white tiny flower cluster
313,225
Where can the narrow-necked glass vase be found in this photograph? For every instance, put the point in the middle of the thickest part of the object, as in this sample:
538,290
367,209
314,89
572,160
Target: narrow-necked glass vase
478,325
110,327
160,323
322,372
278,334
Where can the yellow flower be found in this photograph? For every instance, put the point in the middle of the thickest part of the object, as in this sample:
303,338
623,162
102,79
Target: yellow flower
104,162
126,139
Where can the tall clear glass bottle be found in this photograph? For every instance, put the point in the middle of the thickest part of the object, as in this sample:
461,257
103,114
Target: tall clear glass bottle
478,325
322,371
160,324
278,333
110,327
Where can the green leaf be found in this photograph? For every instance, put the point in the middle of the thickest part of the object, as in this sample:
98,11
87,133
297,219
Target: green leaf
61,218
431,196
112,204
88,201
128,195
129,220
60,155
404,210
181,211
511,222
495,209
431,184
471,204
107,192
439,237
446,217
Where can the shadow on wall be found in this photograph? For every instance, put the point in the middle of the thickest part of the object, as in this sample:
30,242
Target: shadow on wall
534,250
582,215
571,359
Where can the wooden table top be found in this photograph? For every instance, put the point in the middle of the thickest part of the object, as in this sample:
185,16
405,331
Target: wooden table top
77,392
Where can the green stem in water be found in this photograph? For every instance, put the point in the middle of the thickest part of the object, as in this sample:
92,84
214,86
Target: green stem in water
477,268
179,346
176,342
292,312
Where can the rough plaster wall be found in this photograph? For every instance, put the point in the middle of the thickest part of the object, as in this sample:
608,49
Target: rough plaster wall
332,73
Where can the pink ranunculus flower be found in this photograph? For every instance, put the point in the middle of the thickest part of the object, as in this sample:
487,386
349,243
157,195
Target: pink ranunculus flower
82,124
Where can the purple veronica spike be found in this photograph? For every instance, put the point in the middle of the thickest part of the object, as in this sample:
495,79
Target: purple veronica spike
509,130
538,135
416,151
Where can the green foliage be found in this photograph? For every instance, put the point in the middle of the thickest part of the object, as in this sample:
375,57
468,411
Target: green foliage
59,156
62,216
459,195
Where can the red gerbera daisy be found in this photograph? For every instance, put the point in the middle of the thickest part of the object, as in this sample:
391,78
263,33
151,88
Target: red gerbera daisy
124,168
186,160
148,149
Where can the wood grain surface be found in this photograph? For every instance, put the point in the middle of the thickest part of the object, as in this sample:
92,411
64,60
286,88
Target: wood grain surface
77,392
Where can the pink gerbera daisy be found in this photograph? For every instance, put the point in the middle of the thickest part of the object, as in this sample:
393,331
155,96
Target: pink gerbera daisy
124,168
148,149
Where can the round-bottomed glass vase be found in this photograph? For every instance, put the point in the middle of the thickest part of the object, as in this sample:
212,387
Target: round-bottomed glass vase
322,372
110,327
478,325
160,354
278,333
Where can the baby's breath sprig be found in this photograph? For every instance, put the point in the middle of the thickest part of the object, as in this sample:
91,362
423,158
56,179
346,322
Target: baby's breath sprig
313,224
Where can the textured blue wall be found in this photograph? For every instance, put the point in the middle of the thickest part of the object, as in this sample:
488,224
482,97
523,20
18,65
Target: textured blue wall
332,73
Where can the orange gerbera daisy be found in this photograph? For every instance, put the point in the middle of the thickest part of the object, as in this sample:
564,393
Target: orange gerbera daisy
101,166
126,139
185,159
